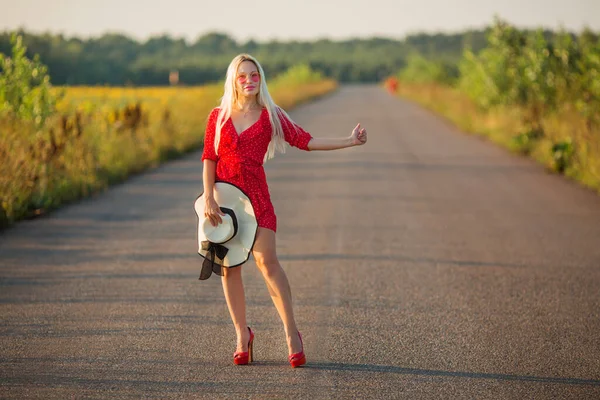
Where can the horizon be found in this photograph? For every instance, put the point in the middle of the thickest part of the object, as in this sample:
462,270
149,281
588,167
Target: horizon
387,19
282,40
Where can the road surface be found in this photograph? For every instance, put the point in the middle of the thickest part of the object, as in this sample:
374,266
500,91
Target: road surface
425,264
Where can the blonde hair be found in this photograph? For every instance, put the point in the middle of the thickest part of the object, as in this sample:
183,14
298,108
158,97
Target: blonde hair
231,98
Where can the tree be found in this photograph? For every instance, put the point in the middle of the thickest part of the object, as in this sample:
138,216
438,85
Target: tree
25,89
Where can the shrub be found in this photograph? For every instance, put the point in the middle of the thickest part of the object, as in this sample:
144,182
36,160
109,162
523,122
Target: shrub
25,89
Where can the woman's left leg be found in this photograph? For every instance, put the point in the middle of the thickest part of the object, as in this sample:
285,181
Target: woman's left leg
265,255
233,289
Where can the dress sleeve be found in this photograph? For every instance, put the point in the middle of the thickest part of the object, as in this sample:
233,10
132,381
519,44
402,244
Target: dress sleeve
294,134
209,136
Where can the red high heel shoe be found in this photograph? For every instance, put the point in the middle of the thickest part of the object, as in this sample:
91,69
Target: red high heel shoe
244,357
298,359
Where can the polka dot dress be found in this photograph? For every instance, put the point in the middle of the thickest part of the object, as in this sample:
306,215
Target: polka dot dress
240,158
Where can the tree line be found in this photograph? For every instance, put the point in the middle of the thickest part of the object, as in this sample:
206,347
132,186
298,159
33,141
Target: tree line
116,59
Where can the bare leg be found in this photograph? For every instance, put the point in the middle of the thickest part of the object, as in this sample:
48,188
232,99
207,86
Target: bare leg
233,288
279,288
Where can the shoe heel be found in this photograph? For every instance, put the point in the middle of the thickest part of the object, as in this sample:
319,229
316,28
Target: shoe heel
250,356
250,346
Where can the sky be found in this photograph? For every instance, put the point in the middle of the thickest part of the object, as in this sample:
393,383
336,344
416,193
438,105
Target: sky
288,20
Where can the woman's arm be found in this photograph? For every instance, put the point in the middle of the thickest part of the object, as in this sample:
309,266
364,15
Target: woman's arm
357,138
208,177
209,158
211,209
319,143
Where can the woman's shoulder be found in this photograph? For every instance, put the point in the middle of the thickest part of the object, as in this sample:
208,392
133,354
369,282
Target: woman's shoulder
214,113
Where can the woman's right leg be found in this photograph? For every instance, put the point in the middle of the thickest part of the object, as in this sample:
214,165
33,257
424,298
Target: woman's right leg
233,288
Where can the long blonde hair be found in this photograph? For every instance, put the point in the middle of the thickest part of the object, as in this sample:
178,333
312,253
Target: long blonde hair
231,98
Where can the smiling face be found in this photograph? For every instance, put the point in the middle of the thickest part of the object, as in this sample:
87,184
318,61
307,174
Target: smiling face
247,81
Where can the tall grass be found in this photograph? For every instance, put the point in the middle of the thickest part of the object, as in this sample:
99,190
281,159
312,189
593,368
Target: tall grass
100,136
568,146
535,95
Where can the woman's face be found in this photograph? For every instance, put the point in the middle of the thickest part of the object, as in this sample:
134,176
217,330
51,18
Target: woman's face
247,80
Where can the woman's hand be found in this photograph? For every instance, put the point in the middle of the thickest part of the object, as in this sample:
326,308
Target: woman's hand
359,136
212,211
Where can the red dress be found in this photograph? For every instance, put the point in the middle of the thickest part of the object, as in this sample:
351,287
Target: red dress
240,158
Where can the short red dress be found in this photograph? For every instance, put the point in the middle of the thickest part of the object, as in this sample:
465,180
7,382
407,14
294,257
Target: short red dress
240,158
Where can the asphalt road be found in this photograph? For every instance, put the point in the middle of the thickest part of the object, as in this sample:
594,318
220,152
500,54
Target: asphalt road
427,264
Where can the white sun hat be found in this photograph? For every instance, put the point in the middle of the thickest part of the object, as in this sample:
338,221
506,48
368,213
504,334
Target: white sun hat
230,243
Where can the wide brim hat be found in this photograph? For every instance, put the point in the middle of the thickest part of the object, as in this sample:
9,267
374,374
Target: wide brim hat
230,243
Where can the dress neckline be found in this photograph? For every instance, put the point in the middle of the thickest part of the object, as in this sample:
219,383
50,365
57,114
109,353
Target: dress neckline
248,128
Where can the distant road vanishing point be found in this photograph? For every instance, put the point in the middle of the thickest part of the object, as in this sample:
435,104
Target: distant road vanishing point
426,264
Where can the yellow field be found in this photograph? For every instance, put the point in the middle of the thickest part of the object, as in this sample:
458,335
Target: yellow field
102,135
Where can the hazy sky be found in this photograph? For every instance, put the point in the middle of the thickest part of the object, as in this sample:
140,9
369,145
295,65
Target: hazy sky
283,19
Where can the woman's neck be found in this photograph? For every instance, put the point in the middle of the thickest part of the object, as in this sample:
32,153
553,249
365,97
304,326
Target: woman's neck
247,103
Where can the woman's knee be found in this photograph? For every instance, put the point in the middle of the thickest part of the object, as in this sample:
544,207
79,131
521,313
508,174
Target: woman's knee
269,266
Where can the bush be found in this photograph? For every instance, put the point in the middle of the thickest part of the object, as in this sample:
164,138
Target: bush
25,89
536,92
421,70
539,75
298,74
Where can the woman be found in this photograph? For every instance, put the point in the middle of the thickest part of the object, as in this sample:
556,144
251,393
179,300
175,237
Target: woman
241,134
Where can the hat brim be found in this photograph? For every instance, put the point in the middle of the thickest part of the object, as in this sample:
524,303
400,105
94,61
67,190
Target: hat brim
240,246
